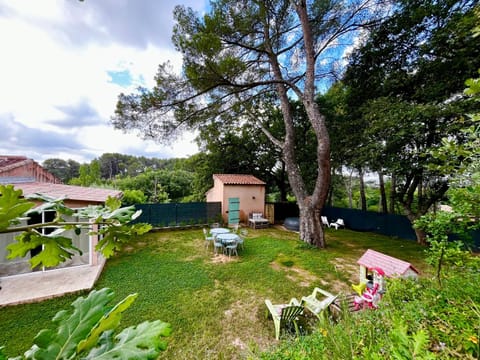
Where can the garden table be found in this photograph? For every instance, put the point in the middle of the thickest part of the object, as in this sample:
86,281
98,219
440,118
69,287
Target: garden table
216,231
227,238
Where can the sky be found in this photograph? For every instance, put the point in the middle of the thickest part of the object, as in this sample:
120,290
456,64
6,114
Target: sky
63,64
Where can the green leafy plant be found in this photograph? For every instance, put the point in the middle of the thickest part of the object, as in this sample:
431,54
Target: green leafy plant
442,252
12,206
88,332
409,346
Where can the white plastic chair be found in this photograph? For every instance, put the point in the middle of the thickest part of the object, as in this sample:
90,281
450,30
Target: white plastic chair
325,221
338,223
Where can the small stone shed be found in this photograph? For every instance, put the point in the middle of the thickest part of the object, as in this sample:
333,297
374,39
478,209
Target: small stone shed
249,190
392,267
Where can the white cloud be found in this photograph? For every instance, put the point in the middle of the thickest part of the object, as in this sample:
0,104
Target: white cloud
55,82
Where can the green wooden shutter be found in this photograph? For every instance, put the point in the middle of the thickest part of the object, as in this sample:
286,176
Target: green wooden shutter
233,210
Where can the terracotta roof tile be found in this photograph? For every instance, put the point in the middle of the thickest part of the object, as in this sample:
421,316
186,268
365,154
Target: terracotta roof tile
238,179
71,192
8,162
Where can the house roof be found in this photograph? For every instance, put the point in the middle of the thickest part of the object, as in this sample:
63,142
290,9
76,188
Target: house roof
8,162
238,179
71,192
390,265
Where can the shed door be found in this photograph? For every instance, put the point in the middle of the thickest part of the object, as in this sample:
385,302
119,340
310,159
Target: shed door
233,210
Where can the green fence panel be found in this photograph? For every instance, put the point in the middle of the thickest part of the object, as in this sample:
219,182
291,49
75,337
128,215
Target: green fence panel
162,215
386,224
358,220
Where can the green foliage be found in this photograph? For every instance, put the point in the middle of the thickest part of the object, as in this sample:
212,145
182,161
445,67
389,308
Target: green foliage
12,206
399,95
132,197
55,248
87,332
89,174
407,346
64,170
415,320
464,196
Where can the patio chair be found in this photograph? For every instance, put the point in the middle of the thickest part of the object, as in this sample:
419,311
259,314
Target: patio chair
231,248
217,246
338,223
316,306
284,315
235,228
325,221
208,238
241,238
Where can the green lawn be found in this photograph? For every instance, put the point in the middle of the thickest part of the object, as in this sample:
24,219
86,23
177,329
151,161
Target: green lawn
214,304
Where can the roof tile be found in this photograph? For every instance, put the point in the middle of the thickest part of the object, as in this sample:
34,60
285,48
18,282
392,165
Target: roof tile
238,179
69,191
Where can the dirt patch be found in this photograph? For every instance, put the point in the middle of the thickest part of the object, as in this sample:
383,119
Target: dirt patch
222,259
298,275
247,314
347,267
134,246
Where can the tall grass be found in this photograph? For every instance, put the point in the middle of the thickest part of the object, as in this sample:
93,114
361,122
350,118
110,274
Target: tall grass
215,304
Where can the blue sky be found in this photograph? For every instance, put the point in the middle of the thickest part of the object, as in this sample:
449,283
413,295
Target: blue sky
63,64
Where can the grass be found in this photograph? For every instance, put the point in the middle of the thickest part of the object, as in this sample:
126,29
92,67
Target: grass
214,304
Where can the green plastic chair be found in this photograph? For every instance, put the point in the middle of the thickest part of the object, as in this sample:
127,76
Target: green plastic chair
284,315
315,305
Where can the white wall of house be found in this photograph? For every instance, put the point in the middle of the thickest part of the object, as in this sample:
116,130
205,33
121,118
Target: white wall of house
22,265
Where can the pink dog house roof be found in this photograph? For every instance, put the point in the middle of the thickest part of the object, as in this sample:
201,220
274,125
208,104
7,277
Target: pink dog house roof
390,265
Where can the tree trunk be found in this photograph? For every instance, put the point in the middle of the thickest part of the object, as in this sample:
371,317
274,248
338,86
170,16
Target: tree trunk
363,198
310,206
393,194
383,195
311,230
419,233
330,189
421,236
349,187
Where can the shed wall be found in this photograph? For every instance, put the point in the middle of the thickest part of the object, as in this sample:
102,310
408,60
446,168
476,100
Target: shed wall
252,199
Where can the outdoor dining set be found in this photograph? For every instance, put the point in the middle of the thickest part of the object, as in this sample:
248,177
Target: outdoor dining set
224,240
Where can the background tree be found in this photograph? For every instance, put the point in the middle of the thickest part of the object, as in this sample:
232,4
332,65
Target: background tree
64,170
236,56
402,84
462,161
89,174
